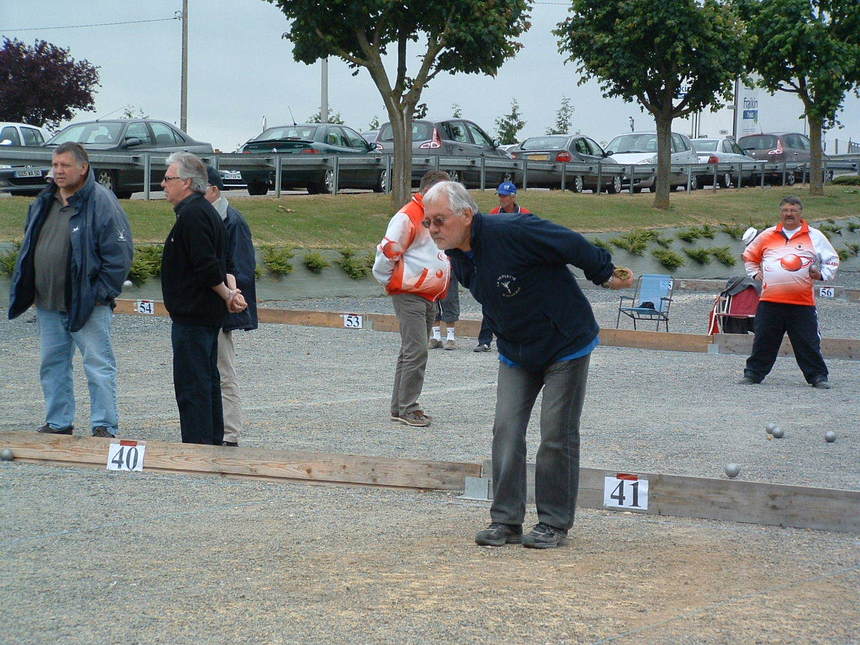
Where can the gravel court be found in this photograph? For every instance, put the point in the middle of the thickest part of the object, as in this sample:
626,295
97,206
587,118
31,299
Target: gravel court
164,558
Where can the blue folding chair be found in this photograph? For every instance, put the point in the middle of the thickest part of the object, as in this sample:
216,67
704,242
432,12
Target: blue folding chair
650,300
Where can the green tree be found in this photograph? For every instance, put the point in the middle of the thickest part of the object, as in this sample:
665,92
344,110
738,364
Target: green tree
43,85
333,117
809,48
469,36
648,50
508,125
563,118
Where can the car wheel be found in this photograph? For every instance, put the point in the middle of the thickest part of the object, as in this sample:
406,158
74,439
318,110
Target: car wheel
258,188
790,178
725,180
107,178
828,176
637,189
615,186
382,182
578,184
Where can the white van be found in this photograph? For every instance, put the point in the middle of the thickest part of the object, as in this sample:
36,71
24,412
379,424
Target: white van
21,134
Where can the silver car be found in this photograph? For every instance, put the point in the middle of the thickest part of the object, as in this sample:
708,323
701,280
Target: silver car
640,148
724,150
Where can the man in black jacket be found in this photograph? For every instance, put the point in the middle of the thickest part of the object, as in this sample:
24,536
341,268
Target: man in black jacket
198,292
240,252
515,265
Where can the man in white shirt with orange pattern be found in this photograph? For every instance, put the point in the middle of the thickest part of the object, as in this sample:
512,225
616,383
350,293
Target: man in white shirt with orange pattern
415,274
787,258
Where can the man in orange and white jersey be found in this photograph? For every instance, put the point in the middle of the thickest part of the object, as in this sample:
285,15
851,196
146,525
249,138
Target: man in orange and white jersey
415,274
787,258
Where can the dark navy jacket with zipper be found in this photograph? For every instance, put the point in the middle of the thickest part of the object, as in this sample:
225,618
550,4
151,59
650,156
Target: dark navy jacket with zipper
517,269
99,257
240,248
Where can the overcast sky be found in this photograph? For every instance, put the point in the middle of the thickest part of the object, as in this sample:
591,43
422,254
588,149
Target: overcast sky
241,69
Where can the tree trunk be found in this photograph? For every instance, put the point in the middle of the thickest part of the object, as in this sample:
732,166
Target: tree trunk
664,160
816,179
401,168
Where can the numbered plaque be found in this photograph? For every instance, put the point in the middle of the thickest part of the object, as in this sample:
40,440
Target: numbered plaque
626,492
126,455
145,307
826,292
353,321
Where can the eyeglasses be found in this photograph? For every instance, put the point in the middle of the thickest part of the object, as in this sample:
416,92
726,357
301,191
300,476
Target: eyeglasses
168,178
438,222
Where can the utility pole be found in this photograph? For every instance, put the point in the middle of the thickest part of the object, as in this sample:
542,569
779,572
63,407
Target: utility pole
736,110
324,90
183,101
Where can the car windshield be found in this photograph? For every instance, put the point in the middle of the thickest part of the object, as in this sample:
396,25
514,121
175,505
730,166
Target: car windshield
544,143
705,145
633,143
86,133
758,142
421,131
304,132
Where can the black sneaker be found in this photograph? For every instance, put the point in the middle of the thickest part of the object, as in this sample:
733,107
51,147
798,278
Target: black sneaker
544,536
101,431
821,384
49,430
746,380
232,444
498,534
481,347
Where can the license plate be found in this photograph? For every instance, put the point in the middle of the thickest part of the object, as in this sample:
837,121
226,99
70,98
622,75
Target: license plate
28,172
231,174
538,157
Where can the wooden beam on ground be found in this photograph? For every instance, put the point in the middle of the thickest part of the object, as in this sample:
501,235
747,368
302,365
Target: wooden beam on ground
846,348
655,340
255,463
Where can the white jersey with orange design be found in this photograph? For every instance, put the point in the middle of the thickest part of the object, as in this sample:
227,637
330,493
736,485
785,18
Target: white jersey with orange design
407,258
784,263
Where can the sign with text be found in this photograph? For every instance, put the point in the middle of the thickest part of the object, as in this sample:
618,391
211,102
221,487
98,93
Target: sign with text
626,492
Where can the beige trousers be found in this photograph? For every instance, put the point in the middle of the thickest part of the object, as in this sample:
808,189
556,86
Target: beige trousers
229,387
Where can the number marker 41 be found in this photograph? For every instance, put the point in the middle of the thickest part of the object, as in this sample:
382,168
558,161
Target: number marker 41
126,455
625,491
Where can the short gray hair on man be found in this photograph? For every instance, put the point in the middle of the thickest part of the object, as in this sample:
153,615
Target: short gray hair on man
791,199
190,166
76,150
459,198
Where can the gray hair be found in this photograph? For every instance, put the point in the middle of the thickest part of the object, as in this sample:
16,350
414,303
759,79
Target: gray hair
459,198
190,166
76,150
791,199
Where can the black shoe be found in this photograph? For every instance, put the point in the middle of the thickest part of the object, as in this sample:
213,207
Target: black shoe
498,534
101,431
49,430
746,380
821,384
482,347
232,444
544,536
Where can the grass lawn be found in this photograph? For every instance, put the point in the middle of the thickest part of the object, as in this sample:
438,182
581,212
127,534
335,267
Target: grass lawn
359,221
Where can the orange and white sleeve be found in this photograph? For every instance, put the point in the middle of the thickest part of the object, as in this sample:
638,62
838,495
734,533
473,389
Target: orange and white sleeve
390,250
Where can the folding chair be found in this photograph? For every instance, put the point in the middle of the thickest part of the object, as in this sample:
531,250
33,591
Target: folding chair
650,300
734,307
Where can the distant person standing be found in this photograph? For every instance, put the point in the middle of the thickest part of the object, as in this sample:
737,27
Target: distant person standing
75,256
507,192
787,258
198,293
415,274
240,251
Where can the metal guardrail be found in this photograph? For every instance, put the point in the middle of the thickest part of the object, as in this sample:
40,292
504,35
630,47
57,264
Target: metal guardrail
517,169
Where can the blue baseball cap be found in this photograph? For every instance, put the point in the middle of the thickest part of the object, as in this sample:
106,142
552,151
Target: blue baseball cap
507,188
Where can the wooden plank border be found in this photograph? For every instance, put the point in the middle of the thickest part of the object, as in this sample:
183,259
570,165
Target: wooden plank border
162,456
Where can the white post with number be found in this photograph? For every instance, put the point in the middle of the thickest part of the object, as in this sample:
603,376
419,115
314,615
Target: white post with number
626,492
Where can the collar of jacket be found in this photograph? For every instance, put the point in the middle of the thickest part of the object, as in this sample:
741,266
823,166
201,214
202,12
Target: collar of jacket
186,201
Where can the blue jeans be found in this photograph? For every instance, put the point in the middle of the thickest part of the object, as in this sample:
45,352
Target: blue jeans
197,383
58,344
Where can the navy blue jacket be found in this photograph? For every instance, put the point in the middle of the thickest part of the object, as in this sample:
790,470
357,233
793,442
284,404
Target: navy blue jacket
518,272
240,248
99,258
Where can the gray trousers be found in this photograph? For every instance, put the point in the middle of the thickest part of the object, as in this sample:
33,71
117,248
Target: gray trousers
230,401
415,315
448,308
557,462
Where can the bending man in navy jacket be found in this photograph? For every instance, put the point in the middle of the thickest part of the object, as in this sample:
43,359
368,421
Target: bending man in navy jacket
515,265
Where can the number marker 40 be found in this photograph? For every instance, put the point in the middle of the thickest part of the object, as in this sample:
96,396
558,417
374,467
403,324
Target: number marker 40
126,455
625,491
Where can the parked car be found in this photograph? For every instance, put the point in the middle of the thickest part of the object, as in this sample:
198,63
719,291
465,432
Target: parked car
777,147
22,180
370,136
127,136
313,139
567,148
450,138
641,148
232,179
724,150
